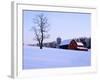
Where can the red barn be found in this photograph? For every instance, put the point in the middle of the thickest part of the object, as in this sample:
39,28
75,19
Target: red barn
72,44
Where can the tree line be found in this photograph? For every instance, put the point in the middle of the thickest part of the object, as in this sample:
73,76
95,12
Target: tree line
86,41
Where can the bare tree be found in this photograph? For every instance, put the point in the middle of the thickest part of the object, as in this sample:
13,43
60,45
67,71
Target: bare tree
40,29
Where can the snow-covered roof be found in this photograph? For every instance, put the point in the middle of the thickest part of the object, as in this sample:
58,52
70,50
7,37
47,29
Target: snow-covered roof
82,48
79,43
64,42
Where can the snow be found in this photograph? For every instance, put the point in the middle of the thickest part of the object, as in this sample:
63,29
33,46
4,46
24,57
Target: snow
33,58
64,42
82,48
80,44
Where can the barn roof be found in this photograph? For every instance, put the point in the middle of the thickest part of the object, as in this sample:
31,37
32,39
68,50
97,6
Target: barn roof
79,43
67,42
64,42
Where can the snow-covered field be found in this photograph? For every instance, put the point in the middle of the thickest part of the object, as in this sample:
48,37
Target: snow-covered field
33,58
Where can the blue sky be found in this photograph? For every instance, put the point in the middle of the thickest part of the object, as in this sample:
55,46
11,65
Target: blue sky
64,25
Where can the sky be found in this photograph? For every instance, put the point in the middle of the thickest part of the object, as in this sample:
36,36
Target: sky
61,24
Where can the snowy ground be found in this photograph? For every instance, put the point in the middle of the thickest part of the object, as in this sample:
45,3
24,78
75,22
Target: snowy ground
33,57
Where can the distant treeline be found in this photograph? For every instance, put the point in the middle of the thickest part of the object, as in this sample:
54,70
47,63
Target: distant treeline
86,41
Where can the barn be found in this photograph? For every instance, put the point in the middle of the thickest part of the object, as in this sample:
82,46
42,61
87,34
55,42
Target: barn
72,44
64,44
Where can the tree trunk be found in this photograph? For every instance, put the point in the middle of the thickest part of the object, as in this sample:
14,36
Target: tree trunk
41,45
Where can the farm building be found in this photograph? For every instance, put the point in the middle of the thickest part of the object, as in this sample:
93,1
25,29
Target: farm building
72,44
64,44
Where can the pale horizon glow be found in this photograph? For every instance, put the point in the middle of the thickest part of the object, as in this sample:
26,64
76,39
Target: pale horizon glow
64,25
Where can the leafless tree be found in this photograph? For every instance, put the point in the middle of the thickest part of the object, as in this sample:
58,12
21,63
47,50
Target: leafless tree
41,28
